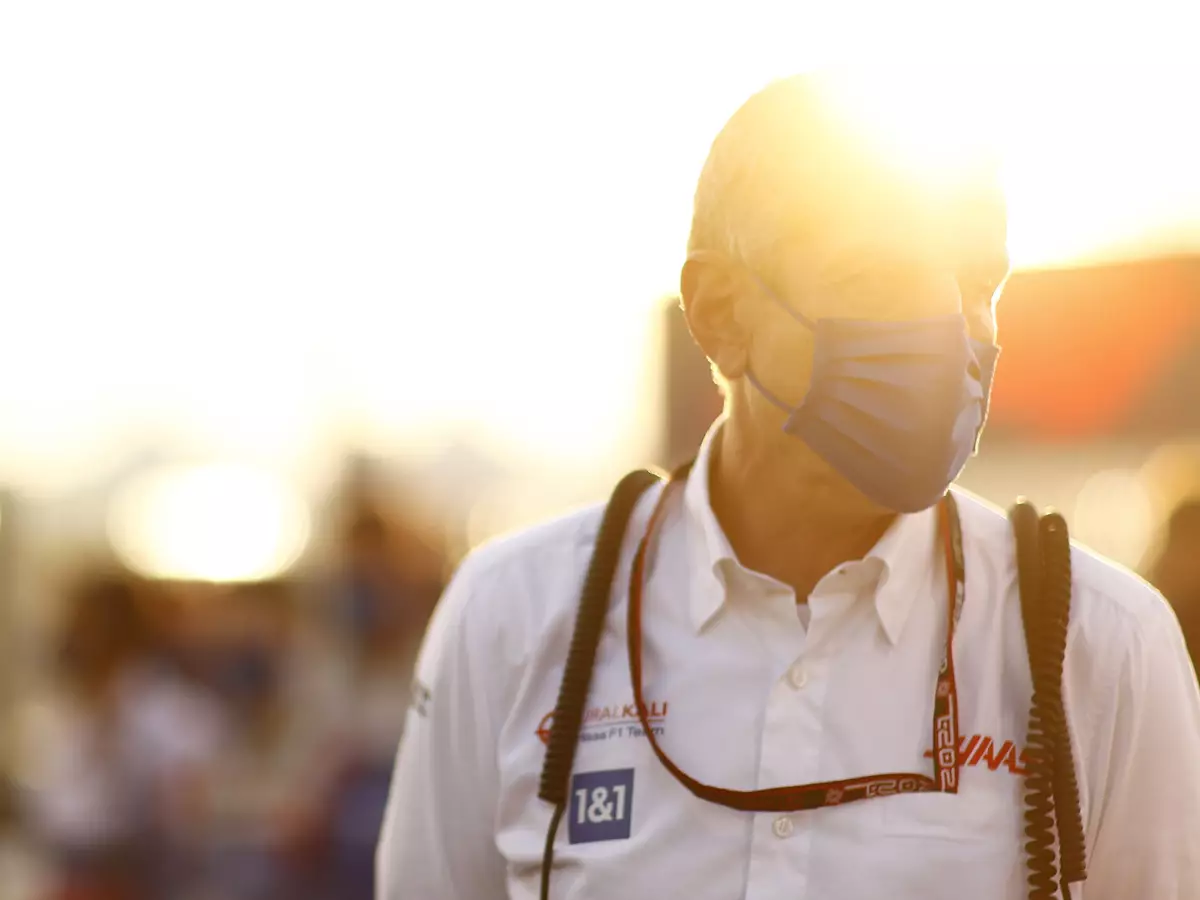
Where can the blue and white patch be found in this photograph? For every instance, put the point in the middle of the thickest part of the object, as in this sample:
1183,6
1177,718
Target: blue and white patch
601,806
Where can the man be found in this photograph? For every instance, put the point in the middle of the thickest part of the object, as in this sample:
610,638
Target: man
1176,572
793,597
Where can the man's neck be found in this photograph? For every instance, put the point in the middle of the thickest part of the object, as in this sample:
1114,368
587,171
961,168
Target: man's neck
786,513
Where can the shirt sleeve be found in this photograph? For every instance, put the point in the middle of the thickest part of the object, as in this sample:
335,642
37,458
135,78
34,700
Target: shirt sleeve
437,841
1148,840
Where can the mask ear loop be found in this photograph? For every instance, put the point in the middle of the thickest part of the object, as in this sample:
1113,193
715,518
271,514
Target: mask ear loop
786,307
762,389
710,256
795,314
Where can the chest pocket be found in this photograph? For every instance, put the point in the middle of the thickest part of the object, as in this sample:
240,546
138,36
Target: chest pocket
979,813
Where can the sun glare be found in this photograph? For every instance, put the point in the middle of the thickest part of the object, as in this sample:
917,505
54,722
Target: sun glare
1092,159
214,523
929,125
1114,515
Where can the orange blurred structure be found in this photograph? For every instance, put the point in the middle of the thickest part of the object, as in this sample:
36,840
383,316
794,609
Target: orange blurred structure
1091,352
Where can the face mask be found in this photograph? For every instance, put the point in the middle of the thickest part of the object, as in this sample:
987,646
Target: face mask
986,355
894,407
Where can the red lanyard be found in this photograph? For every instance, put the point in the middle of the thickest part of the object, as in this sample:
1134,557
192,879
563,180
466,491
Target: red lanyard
946,764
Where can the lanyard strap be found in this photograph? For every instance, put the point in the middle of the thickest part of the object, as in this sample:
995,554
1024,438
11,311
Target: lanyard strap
793,798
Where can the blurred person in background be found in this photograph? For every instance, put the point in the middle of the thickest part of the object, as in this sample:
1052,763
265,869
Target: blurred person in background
22,872
116,757
185,719
804,599
1176,572
390,580
264,810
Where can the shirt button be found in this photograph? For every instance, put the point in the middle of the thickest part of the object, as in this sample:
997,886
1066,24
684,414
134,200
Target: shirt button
797,677
783,827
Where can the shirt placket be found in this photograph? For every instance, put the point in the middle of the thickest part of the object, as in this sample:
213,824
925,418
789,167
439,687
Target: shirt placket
789,754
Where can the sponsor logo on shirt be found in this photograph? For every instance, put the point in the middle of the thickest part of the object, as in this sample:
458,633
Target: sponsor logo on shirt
602,723
979,748
601,806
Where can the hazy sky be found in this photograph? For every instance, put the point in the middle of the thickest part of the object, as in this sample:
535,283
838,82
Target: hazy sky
257,226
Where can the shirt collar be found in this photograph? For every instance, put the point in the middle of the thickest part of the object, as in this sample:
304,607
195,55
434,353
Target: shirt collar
708,549
906,552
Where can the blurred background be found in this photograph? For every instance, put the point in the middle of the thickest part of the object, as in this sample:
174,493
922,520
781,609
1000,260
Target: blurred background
299,302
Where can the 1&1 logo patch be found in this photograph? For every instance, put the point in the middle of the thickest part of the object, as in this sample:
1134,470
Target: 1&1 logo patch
601,806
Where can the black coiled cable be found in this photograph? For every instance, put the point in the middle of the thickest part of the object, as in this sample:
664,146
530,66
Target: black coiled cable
1052,794
1056,588
581,658
1039,780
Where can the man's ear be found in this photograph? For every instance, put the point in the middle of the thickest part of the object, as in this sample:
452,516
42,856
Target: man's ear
711,299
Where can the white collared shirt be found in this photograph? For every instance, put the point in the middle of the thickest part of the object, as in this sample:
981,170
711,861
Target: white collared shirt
745,695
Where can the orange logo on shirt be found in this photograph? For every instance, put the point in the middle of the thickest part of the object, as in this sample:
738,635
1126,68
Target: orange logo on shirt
620,720
980,748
